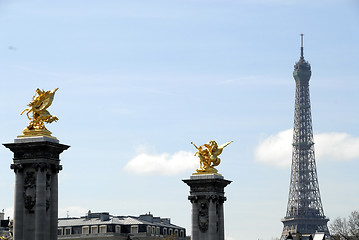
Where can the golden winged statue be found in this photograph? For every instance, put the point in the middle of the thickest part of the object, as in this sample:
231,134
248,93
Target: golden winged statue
208,156
40,102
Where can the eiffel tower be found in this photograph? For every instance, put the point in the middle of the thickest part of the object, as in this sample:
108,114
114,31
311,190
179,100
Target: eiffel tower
305,215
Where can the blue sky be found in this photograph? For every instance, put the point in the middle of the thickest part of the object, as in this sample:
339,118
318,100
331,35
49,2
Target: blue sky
139,80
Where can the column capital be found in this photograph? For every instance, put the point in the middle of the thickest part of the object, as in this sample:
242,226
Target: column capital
17,167
212,198
40,166
222,199
193,199
216,198
56,168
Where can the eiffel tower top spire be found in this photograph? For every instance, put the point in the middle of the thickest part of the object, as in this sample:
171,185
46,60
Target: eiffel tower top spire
302,70
301,45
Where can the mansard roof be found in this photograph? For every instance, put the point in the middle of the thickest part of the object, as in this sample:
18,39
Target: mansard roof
107,219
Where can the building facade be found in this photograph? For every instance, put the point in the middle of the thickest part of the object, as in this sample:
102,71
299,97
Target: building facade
105,226
4,225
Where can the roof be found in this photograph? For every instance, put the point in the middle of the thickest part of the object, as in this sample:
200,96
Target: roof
117,220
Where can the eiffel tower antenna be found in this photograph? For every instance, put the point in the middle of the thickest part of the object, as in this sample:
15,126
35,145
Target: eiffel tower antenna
301,45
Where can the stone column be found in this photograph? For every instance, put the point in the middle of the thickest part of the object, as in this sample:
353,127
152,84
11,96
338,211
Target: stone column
54,202
19,202
195,227
206,194
221,218
36,164
212,219
40,210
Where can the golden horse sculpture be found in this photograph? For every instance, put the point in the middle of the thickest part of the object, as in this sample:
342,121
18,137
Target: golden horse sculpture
40,102
208,157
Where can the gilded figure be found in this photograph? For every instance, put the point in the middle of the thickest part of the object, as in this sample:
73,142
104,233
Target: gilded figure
208,156
38,107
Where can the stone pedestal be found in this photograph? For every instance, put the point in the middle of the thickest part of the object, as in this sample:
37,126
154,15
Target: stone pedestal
207,198
36,166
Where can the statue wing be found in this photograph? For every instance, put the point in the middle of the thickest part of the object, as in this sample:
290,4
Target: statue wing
219,149
47,101
224,145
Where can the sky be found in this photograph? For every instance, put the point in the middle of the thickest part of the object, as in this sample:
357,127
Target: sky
139,80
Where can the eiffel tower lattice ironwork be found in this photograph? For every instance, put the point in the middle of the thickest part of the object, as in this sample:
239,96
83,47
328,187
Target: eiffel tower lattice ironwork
305,215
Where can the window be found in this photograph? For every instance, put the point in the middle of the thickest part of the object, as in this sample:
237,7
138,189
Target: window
118,229
176,233
134,229
158,230
181,233
170,232
68,231
164,231
94,229
60,231
103,229
153,230
149,229
85,230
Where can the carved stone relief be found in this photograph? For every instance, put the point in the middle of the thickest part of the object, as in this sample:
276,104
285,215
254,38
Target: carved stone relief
203,216
30,190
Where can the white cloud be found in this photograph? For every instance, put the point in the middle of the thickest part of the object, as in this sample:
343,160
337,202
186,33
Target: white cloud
277,149
162,164
336,146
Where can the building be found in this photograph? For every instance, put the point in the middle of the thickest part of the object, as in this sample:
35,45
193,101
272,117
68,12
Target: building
4,225
305,216
105,226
